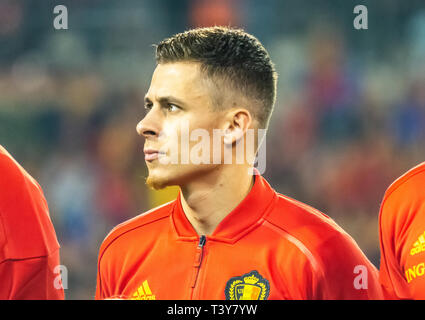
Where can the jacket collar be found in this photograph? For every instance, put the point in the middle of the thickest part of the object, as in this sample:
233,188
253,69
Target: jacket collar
246,216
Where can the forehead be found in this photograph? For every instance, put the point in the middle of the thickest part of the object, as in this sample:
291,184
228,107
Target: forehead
181,79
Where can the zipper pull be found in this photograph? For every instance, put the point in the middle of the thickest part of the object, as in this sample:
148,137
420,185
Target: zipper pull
202,241
198,259
200,251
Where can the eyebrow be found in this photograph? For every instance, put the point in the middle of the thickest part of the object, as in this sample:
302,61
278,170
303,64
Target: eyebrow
165,99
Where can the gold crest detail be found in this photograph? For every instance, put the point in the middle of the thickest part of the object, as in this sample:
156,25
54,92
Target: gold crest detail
250,286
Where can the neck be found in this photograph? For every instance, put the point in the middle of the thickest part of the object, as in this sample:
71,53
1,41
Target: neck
207,201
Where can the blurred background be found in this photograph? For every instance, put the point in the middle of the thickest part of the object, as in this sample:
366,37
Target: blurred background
349,118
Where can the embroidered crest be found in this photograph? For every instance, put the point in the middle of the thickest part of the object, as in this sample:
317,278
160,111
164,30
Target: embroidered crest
250,286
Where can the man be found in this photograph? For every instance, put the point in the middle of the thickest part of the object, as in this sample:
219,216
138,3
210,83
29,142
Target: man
402,237
228,235
29,251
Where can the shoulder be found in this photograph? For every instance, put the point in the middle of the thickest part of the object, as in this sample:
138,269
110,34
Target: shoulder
9,168
303,221
333,254
17,184
317,235
8,163
13,174
403,201
152,219
410,184
402,210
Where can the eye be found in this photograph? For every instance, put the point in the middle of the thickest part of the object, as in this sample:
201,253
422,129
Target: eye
172,107
148,106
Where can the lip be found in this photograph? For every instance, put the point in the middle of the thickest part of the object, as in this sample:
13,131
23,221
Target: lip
151,154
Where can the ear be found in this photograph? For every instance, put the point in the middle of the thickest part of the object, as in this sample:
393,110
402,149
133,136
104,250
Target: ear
239,121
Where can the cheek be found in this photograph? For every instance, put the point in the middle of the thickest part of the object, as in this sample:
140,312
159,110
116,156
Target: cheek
170,129
175,134
205,120
178,131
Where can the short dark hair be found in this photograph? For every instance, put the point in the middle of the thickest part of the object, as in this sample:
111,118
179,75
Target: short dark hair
231,56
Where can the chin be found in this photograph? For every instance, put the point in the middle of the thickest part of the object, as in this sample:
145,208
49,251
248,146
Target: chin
163,176
156,182
160,178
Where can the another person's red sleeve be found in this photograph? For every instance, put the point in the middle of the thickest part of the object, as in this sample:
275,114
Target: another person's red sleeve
29,250
30,279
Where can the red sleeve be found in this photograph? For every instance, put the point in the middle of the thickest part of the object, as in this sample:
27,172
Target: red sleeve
33,279
103,282
390,272
29,250
346,272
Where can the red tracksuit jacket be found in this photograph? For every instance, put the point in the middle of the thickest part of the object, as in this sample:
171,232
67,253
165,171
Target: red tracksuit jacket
268,247
402,237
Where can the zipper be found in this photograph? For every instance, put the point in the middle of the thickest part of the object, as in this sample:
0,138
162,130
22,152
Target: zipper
198,261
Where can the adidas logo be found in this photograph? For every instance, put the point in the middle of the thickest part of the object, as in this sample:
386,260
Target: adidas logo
419,245
143,292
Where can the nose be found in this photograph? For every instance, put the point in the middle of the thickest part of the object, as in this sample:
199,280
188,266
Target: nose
149,126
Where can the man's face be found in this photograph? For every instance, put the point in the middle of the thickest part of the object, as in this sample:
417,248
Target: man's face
178,95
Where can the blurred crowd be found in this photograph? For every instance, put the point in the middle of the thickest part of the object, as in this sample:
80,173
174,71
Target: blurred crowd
349,117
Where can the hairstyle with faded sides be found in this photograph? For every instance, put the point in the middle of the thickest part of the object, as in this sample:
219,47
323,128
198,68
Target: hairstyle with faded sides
231,58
